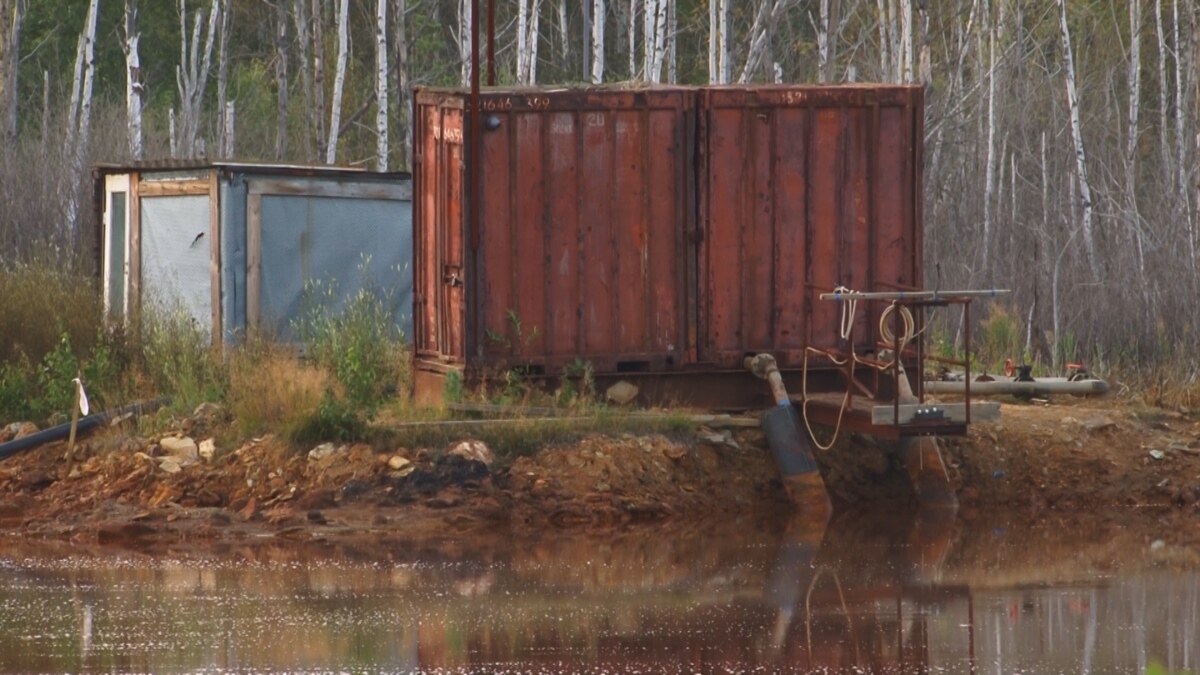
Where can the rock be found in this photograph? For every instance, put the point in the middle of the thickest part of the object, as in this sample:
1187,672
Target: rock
398,463
207,411
675,452
37,480
170,465
1157,545
183,450
317,517
622,393
1157,454
476,451
112,532
1098,424
22,429
321,452
208,449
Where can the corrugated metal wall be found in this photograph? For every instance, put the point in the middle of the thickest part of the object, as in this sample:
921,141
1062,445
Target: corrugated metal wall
661,229
804,189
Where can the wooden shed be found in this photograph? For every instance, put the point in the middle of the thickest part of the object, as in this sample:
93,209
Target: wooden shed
238,247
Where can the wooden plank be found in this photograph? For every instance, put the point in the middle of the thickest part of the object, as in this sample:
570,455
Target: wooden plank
253,261
533,412
175,188
397,191
133,284
885,415
214,240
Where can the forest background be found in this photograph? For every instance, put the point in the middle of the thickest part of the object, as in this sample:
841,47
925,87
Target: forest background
1060,150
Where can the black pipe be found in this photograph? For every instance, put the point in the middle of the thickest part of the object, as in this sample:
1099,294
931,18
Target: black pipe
86,424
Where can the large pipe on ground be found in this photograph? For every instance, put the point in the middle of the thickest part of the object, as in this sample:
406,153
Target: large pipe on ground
788,442
88,423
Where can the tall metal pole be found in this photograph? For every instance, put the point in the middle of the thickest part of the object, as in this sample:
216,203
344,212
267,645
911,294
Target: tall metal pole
474,137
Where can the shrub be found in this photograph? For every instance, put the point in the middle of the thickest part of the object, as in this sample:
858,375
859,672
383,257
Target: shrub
270,389
179,359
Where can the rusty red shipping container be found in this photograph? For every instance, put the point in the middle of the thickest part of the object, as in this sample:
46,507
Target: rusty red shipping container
656,232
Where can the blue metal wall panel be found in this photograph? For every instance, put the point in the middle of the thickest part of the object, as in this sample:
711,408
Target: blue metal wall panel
233,257
327,249
176,256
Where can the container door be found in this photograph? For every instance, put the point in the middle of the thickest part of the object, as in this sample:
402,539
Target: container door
803,189
452,281
115,265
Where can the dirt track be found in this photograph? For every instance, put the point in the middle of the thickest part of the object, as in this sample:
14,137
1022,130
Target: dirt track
1085,456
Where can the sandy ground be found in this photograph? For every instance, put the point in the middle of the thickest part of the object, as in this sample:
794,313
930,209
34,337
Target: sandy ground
1041,461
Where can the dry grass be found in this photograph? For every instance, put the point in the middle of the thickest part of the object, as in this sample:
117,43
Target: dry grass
38,304
271,390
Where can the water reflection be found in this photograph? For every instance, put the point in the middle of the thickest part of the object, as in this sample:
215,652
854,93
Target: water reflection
865,594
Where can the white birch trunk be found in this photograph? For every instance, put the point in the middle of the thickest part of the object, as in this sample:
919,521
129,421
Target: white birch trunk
924,57
80,114
673,43
304,44
1132,135
769,12
316,18
823,42
564,32
400,32
381,87
522,38
191,75
229,130
989,184
885,40
719,69
464,40
134,93
1164,144
528,15
632,33
281,81
1182,181
598,21
225,144
906,41
535,21
339,80
12,18
656,40
1085,189
894,49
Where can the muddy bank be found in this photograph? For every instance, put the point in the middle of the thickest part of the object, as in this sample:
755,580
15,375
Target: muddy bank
1071,456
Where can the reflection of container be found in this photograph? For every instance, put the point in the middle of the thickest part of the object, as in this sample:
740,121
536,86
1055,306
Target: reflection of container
657,232
233,245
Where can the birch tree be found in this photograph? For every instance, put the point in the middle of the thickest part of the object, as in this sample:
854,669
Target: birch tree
225,141
464,39
528,18
823,61
307,85
282,56
1132,135
191,75
12,17
339,80
1085,189
655,38
79,114
768,14
316,17
720,70
381,86
598,21
403,91
134,92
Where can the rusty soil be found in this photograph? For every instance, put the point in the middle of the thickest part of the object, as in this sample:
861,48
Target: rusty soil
1123,462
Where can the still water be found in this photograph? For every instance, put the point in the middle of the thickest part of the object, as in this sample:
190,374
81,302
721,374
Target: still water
863,595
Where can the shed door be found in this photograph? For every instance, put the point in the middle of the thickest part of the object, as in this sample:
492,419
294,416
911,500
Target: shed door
115,265
176,255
